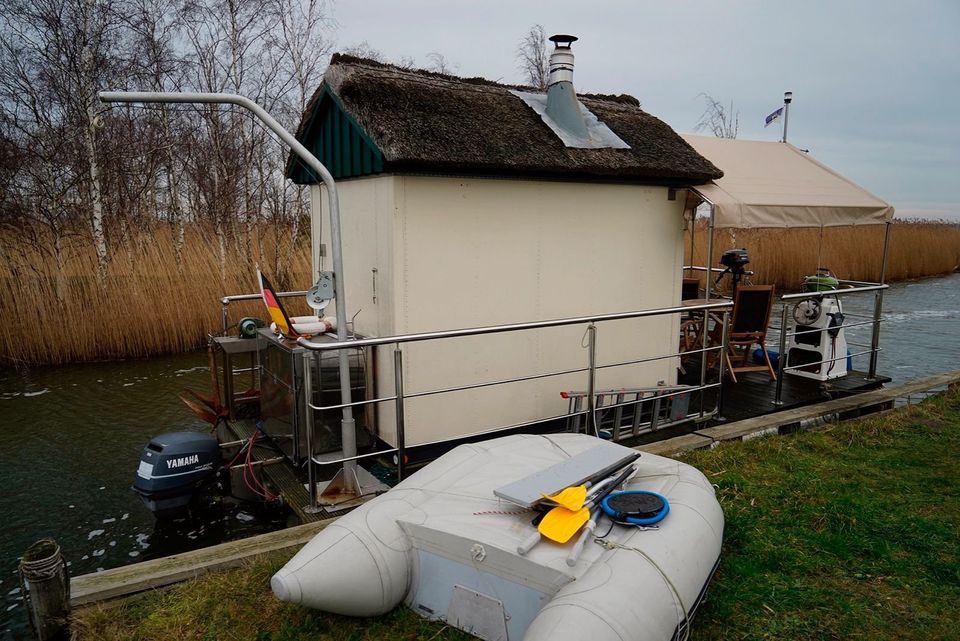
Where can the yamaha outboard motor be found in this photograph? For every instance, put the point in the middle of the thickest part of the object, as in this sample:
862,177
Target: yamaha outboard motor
175,469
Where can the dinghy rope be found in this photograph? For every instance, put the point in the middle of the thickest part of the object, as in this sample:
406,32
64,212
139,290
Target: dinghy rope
682,614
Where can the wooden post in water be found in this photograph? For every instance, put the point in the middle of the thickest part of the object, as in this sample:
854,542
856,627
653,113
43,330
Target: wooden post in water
45,585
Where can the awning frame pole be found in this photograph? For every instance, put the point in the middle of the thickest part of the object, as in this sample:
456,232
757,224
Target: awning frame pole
347,424
704,338
878,304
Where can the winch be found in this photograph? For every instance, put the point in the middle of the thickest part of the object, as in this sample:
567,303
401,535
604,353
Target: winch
817,344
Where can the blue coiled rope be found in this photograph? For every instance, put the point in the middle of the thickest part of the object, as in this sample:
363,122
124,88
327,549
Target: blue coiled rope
633,518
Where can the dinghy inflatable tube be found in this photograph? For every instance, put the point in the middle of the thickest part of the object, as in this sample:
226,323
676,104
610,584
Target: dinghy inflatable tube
444,545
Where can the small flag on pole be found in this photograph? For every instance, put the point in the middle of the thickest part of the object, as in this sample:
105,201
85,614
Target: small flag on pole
773,117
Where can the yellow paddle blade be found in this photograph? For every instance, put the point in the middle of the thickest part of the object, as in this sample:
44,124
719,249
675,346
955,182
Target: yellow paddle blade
571,498
560,524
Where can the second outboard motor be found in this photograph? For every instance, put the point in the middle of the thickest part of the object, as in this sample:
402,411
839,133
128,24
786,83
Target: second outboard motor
175,469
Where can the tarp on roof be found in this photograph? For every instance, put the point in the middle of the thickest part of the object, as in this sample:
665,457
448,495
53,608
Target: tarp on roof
774,184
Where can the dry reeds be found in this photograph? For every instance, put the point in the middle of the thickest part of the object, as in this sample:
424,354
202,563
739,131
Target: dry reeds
782,257
145,307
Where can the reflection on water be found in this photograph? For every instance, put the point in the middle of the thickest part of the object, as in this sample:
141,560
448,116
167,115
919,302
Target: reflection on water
71,438
69,445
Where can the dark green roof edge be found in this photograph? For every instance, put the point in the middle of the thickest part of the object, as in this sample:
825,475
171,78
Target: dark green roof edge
361,159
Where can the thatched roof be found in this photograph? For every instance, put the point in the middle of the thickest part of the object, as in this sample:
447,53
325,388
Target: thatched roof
433,123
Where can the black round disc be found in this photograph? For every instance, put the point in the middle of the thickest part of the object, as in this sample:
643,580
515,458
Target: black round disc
642,506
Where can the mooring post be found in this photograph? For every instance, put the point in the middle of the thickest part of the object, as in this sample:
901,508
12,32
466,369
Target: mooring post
45,585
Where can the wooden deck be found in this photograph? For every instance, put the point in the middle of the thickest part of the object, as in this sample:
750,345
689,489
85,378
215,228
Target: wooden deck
754,393
806,416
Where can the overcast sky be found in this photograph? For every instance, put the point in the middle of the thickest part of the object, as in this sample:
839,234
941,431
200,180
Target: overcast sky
876,84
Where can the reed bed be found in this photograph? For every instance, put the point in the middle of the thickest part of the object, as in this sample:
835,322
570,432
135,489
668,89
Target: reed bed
145,306
782,257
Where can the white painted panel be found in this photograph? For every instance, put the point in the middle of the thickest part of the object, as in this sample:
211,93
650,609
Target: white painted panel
480,252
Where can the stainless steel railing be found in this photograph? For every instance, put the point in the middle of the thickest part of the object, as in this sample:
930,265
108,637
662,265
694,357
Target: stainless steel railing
400,394
848,288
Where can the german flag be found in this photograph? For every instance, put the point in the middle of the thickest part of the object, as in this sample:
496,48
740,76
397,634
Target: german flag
272,301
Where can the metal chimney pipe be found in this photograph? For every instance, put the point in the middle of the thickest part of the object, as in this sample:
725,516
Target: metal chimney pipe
787,99
562,104
561,60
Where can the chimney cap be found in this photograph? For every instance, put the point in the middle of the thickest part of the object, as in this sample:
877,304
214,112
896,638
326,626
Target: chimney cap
562,40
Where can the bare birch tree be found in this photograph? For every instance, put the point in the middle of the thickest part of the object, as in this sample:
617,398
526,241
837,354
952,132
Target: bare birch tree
533,58
438,63
718,120
64,50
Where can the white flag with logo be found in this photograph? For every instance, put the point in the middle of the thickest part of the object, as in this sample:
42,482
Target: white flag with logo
773,117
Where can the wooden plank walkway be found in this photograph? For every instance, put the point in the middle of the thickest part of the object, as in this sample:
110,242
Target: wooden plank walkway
797,418
146,575
281,475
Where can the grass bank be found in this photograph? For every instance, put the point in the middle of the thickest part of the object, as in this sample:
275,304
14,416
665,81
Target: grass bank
850,533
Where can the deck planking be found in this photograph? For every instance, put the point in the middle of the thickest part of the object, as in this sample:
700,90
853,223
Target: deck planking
754,392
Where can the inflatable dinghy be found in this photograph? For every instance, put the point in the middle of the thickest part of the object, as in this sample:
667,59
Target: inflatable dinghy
445,545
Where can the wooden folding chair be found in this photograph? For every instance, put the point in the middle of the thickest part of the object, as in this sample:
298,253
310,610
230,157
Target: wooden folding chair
748,327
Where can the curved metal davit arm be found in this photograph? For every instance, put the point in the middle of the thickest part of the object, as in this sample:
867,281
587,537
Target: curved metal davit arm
349,437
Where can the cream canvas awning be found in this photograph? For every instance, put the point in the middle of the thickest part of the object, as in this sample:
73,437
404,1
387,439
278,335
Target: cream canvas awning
774,184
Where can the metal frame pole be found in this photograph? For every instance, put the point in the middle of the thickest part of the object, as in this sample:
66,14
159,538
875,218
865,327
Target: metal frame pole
347,424
704,332
592,377
878,304
782,358
709,280
401,438
308,357
724,346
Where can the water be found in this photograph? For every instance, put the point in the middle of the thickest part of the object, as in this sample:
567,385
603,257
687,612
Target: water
920,333
69,444
71,438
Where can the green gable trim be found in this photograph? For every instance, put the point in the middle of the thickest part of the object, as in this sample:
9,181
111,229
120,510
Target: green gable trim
338,141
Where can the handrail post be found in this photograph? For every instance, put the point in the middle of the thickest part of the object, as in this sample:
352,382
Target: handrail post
875,334
401,438
704,356
724,346
782,358
308,357
592,377
708,285
225,315
878,304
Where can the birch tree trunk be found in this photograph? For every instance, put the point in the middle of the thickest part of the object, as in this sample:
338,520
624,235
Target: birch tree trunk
96,199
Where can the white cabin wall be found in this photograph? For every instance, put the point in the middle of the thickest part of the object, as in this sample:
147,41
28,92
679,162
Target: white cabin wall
366,229
367,215
472,252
